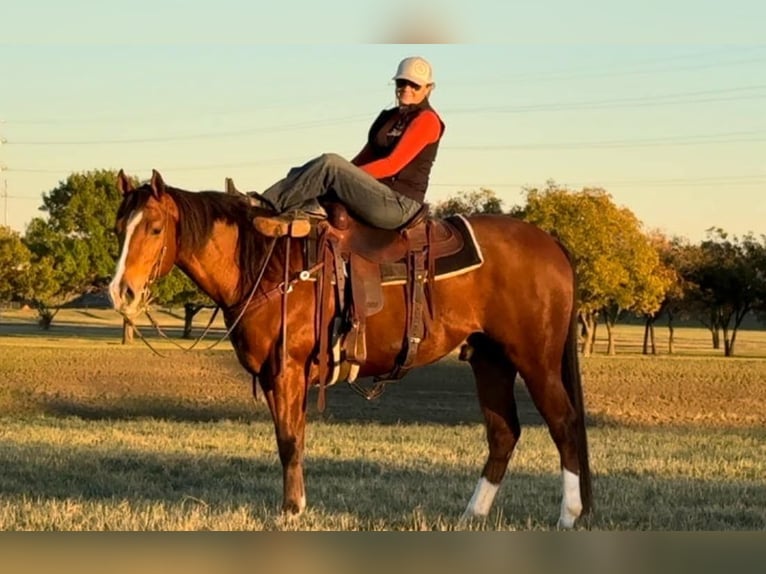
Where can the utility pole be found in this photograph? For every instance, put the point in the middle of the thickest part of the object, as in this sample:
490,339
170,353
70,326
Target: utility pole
5,199
5,185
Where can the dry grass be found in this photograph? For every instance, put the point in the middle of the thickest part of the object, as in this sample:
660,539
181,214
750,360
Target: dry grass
95,435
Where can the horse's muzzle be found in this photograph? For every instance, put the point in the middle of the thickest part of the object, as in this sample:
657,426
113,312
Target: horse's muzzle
126,299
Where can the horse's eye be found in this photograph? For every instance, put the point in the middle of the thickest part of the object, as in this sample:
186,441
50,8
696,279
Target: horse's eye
156,230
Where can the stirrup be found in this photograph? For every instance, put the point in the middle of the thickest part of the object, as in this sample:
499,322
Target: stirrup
281,226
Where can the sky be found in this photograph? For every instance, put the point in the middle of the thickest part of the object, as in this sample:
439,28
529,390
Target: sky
662,104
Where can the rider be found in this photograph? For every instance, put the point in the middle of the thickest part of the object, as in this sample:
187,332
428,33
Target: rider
385,184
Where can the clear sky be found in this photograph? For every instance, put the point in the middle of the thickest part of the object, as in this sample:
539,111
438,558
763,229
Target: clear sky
663,105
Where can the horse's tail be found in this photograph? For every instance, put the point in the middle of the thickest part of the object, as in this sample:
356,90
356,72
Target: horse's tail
570,374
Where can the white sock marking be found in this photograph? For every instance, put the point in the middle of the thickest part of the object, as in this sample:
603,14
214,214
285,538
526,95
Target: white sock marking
571,504
114,286
482,499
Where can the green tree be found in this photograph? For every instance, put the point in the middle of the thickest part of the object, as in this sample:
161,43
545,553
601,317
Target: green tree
15,264
759,263
731,282
78,232
77,237
469,203
618,268
25,280
42,287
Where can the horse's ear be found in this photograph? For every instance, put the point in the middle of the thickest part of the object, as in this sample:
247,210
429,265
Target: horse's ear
123,183
158,186
230,187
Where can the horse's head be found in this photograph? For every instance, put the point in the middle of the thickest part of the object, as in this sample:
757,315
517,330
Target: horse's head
146,225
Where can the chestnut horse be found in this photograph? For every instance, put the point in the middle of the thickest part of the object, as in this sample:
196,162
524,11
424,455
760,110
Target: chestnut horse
516,312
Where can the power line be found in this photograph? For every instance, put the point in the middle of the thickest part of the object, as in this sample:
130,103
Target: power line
638,68
519,80
208,135
196,167
748,136
667,99
700,139
728,181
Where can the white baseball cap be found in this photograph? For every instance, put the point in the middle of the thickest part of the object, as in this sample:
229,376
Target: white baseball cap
415,69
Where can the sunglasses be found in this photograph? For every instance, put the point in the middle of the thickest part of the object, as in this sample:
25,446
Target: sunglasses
401,84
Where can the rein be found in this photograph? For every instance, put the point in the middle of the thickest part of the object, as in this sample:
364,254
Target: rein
282,289
228,332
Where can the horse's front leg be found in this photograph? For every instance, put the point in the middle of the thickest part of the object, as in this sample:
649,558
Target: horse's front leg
286,397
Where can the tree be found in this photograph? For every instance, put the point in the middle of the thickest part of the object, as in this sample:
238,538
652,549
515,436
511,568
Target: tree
15,263
77,237
469,202
758,258
618,269
670,254
731,282
680,259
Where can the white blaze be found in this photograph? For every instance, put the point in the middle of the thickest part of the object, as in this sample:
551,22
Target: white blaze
114,286
571,504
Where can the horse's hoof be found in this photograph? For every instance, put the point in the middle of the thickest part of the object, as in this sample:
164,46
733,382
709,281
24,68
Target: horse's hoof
294,508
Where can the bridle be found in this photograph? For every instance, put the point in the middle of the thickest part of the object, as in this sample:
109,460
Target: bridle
280,290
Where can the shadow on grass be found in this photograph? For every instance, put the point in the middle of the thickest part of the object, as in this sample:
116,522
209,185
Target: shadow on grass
158,409
371,491
95,332
443,393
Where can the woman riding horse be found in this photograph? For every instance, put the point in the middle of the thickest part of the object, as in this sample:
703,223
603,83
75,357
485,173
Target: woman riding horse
385,184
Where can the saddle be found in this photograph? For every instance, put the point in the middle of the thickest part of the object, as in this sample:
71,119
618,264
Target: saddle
356,261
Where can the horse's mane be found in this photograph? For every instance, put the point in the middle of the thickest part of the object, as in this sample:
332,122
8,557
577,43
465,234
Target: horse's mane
198,213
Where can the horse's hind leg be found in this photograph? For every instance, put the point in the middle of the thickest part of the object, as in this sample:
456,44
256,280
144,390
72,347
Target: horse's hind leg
552,401
494,375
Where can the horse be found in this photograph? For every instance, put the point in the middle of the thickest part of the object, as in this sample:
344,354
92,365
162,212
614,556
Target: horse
515,314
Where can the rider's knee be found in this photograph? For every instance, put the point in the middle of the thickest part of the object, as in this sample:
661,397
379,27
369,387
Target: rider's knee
331,159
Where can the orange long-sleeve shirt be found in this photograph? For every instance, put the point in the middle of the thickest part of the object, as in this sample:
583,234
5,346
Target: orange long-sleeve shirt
423,130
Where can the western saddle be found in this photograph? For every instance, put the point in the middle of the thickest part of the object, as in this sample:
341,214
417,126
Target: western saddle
354,262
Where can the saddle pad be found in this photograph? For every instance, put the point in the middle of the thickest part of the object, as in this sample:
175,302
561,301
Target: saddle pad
465,260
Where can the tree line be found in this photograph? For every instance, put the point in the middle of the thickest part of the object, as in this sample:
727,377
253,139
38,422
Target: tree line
622,269
74,249
625,270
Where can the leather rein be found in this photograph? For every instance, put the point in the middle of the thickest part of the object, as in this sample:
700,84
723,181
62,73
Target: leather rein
251,301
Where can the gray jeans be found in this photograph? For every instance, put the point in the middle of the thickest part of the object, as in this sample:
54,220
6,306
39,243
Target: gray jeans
367,198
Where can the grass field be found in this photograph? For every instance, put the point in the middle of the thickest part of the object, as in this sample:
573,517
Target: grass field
97,435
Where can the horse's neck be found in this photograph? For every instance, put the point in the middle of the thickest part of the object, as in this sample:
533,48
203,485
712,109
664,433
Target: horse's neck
214,267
